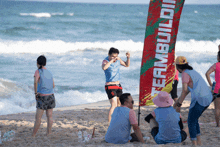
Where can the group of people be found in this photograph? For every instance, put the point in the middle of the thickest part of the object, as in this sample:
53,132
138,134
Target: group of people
165,121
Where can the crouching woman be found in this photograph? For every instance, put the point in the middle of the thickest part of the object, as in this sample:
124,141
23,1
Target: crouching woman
166,124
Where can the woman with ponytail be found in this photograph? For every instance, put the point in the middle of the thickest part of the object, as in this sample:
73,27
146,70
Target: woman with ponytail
201,97
44,94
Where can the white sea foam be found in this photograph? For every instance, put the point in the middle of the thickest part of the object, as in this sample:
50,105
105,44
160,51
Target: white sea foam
70,14
36,14
58,46
23,100
57,14
45,14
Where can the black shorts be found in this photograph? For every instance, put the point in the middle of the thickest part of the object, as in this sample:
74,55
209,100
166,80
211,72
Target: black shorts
113,90
46,102
173,92
155,130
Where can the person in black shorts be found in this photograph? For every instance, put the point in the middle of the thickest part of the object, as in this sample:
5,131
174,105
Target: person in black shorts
111,66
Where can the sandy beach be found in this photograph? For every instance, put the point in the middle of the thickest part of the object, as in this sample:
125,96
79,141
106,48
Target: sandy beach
69,120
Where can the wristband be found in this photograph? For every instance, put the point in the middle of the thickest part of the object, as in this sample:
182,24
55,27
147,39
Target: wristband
178,104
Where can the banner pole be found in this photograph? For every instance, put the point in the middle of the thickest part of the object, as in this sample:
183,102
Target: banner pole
139,112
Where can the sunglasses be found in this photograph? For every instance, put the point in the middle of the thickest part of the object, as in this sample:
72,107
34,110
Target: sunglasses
132,101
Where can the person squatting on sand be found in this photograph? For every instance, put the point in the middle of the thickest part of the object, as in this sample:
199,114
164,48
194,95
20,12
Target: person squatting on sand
122,119
201,97
215,68
165,122
111,66
44,94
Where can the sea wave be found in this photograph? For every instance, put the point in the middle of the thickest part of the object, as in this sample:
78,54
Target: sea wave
59,46
44,14
21,97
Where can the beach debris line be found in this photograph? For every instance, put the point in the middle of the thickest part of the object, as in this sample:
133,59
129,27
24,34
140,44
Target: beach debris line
84,136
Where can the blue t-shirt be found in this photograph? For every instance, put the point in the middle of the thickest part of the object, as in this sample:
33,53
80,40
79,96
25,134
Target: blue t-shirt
169,129
200,92
112,74
119,128
45,86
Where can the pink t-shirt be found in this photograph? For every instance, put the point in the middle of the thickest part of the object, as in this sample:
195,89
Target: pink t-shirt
176,75
37,77
216,68
187,79
132,117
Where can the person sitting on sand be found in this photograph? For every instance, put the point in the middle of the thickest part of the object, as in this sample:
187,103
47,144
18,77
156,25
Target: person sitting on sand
44,94
201,97
122,119
215,68
165,122
111,66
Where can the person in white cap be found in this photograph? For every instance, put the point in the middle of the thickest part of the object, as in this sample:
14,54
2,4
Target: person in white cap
166,124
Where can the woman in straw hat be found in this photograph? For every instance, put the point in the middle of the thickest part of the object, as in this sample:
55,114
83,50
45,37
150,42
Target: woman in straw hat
201,97
170,128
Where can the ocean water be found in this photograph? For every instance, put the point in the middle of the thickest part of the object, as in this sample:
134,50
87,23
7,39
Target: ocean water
76,37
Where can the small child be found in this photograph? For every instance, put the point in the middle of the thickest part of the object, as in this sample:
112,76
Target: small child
166,124
44,94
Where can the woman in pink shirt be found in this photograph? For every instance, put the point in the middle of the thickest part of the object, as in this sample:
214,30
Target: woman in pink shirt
216,68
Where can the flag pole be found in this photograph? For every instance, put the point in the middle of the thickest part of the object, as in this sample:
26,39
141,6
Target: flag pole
139,112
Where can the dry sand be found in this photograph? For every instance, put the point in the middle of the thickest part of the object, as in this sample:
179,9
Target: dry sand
69,120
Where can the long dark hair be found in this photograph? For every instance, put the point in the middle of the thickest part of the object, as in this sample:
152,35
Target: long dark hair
41,60
219,54
184,66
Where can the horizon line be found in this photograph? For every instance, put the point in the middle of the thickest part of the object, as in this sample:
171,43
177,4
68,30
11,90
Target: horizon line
59,1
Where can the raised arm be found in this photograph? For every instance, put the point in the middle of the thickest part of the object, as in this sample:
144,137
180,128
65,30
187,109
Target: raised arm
127,63
106,64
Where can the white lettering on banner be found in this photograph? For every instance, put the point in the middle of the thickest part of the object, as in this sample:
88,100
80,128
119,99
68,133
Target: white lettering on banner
166,35
157,82
164,13
162,47
158,72
163,60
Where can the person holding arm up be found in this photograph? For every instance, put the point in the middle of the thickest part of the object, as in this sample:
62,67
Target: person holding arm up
111,66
